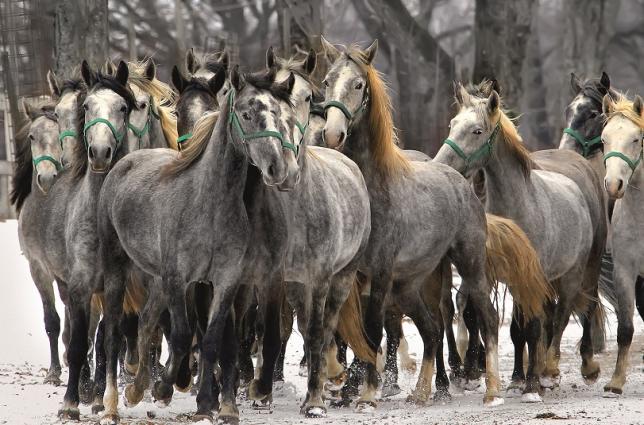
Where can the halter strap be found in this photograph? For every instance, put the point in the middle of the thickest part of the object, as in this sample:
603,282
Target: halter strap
345,111
182,139
484,150
66,133
631,164
118,137
57,164
234,122
587,145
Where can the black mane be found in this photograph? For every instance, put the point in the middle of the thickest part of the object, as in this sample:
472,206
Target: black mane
73,84
265,80
23,167
592,89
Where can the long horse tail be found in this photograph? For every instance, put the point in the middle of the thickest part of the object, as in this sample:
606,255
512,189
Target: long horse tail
512,259
135,295
351,326
606,282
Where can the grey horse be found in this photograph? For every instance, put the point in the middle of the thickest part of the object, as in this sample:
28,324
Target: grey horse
567,230
420,212
214,171
623,138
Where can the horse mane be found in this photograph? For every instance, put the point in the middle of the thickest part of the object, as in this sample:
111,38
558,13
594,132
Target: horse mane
622,106
590,88
203,128
511,137
23,165
295,66
387,156
163,96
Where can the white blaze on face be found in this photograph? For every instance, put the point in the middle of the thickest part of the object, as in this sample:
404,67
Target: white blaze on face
105,104
66,110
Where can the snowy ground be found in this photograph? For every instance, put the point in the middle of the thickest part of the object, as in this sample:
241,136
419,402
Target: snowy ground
24,354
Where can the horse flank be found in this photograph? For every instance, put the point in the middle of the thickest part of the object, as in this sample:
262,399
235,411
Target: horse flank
387,156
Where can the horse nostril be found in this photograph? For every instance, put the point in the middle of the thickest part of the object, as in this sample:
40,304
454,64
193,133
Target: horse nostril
271,171
38,180
108,153
620,183
341,137
91,153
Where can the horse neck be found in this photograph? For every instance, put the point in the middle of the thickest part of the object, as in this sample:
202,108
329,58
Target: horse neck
157,138
506,185
634,196
358,147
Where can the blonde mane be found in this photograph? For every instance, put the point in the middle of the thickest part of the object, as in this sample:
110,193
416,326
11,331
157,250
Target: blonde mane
622,106
383,136
164,100
201,134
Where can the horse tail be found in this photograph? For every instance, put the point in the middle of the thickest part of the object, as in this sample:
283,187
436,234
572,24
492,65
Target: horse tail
97,302
351,326
512,259
135,295
606,282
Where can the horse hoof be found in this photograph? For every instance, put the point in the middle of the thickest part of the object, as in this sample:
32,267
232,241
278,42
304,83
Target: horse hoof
365,407
612,392
130,396
86,392
228,420
97,408
343,402
162,394
390,390
69,413
53,378
109,419
184,389
313,411
263,404
442,396
548,382
591,378
337,382
203,416
531,398
257,393
493,401
414,399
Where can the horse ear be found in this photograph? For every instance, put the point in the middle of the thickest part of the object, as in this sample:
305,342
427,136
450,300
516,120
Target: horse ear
178,80
223,59
288,84
53,84
310,62
192,65
88,75
236,79
270,58
108,67
637,105
371,51
575,83
494,84
331,52
122,73
493,102
29,109
150,70
460,94
605,83
607,105
217,81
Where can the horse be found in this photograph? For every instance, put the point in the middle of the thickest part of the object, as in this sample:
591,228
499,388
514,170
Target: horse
623,138
36,170
213,170
407,242
567,230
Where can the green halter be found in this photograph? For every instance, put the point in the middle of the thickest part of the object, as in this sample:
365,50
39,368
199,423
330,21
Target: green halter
345,111
234,122
182,139
57,164
117,136
66,133
140,132
631,164
587,145
484,150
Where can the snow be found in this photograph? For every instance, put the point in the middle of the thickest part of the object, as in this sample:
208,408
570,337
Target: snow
24,357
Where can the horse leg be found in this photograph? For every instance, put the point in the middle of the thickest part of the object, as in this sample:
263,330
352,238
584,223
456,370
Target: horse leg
462,338
77,353
129,328
207,401
148,320
261,389
179,343
517,333
532,332
393,328
62,291
99,373
228,412
625,281
447,315
286,314
45,287
335,369
589,367
471,367
442,381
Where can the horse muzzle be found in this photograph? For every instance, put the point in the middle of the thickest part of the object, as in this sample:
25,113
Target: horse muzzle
615,187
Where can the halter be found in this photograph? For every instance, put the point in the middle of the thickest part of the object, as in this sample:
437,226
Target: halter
587,145
118,137
345,111
631,164
66,133
484,150
57,164
234,122
182,139
140,132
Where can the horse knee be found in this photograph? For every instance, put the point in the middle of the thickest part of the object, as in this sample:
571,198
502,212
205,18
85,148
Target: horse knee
625,333
52,323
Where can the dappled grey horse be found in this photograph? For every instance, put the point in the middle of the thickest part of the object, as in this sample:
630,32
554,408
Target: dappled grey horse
204,189
420,212
567,230
623,138
36,170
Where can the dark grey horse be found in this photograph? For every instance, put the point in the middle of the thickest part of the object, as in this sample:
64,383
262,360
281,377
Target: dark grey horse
214,170
421,212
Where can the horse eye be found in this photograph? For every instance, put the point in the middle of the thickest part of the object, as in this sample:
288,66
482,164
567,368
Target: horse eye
593,115
636,141
478,131
359,86
142,105
246,116
124,109
225,91
308,98
603,141
31,137
85,107
326,83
